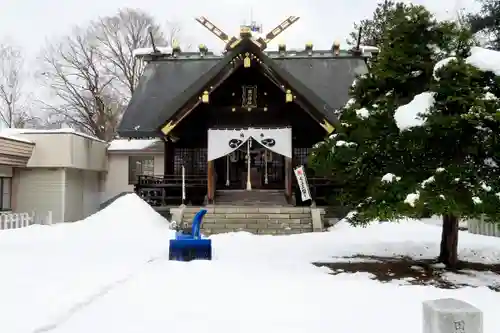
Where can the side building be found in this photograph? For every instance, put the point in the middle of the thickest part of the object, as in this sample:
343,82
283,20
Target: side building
56,171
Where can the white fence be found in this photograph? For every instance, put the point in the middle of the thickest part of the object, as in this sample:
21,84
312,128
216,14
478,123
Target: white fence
21,220
483,228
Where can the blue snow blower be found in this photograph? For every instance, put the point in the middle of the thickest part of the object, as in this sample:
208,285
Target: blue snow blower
189,246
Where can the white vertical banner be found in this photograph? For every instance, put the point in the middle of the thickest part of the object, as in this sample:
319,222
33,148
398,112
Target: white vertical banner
228,165
183,170
300,174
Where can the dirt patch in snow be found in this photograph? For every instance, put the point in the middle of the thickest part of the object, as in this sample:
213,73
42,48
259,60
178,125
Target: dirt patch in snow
419,271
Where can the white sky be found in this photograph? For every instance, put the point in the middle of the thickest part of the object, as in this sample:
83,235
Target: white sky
30,22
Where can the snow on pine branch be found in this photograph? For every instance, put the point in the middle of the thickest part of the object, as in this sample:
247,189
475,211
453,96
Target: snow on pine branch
478,192
413,114
389,178
484,60
440,64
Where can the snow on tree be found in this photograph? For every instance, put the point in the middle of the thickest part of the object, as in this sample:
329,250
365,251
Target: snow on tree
419,136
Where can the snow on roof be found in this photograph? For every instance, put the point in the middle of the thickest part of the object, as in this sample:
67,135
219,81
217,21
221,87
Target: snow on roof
410,115
484,59
134,144
11,137
21,131
149,50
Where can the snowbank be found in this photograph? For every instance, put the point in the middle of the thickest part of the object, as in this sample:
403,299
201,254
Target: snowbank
100,275
48,270
266,284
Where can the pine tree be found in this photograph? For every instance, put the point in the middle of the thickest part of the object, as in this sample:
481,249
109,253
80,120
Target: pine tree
465,120
487,22
388,173
373,29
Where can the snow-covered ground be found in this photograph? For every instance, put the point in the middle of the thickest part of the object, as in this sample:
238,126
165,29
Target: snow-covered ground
110,273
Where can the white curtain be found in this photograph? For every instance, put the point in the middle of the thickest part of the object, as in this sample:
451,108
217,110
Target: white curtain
278,140
222,142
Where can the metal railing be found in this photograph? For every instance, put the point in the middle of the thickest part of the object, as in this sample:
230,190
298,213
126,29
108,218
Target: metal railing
171,189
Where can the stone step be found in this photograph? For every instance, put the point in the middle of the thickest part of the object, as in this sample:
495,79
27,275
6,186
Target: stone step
210,220
257,219
256,231
247,210
251,198
283,229
235,216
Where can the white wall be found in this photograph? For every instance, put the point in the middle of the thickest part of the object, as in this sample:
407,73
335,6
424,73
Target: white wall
66,150
82,197
91,192
40,190
73,195
116,180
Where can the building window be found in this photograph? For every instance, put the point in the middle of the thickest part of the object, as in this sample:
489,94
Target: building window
138,166
6,190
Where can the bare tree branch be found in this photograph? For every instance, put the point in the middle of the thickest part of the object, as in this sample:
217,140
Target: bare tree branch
80,84
14,110
118,37
92,73
174,34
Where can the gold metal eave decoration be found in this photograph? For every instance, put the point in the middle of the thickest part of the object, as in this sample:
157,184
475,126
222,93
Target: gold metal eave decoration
327,126
205,98
168,127
235,43
246,61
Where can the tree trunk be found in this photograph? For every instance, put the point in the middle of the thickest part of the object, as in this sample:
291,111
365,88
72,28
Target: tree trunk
449,241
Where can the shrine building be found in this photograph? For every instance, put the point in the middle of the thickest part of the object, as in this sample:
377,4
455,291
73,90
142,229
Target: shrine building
241,120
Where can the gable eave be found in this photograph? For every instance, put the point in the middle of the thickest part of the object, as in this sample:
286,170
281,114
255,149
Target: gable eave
311,98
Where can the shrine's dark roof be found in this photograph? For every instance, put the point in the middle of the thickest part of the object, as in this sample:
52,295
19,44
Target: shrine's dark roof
168,84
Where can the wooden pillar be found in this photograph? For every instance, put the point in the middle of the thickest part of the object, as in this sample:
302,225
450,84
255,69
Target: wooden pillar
168,157
210,182
288,177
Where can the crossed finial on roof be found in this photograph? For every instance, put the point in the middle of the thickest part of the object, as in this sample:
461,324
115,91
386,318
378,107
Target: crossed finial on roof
246,32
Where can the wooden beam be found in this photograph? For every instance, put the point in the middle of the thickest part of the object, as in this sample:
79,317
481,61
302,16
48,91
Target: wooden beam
280,28
213,29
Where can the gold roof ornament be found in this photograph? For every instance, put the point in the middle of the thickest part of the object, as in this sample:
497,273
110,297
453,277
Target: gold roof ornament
336,47
309,48
176,46
327,126
168,127
246,32
282,48
203,49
